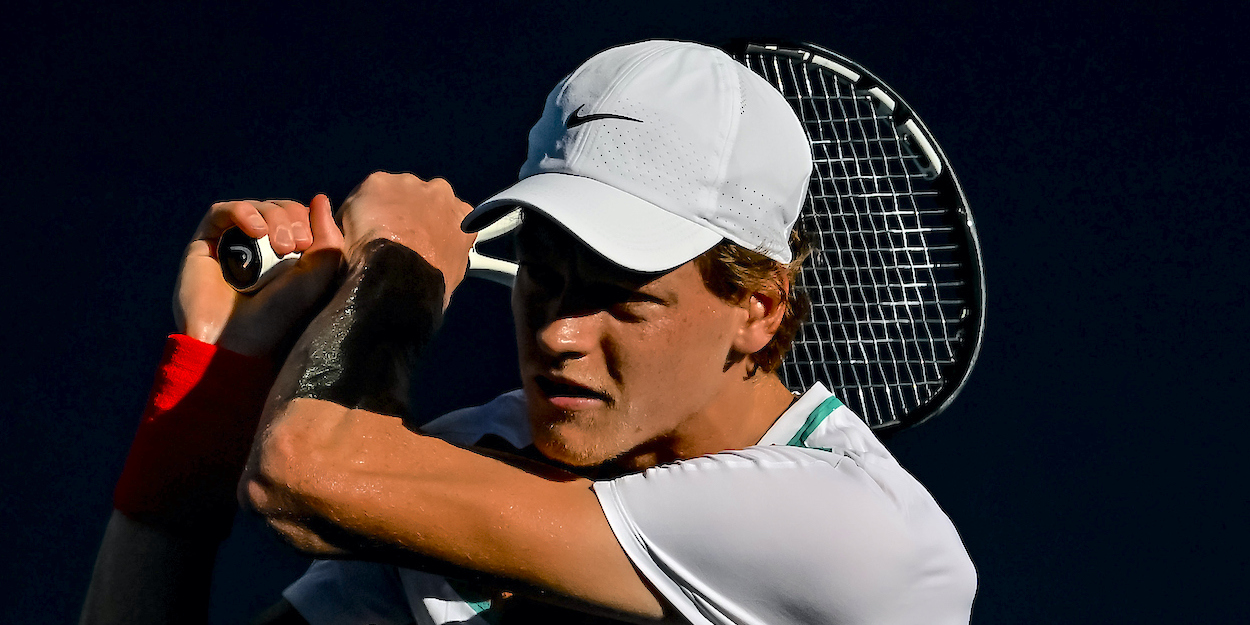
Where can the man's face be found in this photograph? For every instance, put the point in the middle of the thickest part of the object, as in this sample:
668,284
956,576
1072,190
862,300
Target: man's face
614,363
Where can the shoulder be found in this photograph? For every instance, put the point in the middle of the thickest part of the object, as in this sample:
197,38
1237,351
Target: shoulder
766,481
505,416
827,533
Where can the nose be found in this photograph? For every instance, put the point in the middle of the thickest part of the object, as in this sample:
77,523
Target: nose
567,335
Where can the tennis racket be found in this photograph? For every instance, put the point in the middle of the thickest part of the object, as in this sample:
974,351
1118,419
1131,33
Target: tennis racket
896,282
247,264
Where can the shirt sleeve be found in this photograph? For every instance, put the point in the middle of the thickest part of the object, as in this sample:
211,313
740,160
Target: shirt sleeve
776,534
336,592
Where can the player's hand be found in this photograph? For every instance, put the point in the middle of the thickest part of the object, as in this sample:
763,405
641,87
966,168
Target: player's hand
208,309
423,216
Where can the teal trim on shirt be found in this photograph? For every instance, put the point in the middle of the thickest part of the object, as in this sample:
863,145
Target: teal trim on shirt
814,420
476,599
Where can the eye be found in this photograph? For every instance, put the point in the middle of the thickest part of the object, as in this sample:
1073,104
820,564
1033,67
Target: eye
629,312
542,276
628,304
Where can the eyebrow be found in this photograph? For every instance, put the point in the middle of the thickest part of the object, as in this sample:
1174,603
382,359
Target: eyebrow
544,239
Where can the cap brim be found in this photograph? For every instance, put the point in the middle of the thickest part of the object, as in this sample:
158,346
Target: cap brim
623,228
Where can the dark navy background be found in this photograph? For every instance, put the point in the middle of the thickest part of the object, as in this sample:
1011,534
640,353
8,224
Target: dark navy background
1090,464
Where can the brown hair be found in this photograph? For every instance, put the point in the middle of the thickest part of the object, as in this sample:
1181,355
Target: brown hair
732,272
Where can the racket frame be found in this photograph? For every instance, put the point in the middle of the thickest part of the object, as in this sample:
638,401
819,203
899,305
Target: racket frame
917,136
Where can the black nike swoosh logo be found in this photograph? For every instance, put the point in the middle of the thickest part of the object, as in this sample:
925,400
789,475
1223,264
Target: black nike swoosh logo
577,120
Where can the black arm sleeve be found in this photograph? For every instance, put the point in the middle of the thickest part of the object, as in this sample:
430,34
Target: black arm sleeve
358,352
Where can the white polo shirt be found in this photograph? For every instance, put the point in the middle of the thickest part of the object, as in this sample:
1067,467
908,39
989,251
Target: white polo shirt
816,524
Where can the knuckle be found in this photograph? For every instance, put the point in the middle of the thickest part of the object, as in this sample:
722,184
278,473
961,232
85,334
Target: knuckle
242,208
271,209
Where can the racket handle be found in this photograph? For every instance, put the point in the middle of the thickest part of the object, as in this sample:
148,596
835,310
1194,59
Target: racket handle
248,264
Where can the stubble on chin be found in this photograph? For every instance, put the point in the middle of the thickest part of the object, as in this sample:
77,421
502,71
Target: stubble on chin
563,439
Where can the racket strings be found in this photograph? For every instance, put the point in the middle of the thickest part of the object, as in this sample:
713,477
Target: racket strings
887,300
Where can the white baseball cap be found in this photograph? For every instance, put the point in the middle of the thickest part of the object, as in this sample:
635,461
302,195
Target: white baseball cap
652,153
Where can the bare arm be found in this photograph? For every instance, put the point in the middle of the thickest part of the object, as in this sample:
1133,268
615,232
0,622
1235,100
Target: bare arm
146,575
155,565
337,474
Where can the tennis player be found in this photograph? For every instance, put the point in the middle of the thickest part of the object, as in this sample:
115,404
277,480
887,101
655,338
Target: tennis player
652,466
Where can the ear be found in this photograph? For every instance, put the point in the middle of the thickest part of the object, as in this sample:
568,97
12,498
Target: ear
765,309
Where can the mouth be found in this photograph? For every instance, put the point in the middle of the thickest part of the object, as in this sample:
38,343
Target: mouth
568,394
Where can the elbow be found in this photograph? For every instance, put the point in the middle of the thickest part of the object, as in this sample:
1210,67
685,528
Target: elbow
281,486
272,476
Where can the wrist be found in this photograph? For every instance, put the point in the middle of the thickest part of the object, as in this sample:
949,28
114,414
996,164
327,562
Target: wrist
204,333
380,246
230,338
194,438
239,341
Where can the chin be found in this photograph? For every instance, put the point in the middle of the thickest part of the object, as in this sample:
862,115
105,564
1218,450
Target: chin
554,442
569,438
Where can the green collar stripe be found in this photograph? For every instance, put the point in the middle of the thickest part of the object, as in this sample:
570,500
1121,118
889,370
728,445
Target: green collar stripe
814,420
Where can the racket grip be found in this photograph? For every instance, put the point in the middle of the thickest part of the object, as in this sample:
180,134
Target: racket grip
248,264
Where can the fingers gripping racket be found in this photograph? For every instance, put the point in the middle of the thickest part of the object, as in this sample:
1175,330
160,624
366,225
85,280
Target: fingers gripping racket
248,264
896,281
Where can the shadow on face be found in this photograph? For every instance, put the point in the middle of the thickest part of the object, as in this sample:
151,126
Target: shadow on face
559,268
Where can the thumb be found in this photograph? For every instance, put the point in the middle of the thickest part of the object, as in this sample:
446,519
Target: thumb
317,266
326,233
322,259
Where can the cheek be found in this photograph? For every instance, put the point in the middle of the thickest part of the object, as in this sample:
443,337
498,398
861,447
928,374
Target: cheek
682,360
702,345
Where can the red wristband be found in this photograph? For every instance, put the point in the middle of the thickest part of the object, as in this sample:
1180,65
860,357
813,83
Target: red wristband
194,438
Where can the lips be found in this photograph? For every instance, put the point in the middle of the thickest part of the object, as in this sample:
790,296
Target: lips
556,389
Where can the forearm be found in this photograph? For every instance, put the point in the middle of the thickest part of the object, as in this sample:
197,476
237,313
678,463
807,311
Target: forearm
344,384
335,470
339,483
174,501
147,575
357,353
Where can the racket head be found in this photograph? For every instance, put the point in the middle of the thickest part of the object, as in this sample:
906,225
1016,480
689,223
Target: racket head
896,279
